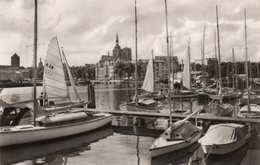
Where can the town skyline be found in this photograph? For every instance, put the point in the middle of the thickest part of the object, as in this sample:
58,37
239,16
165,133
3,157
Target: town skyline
87,29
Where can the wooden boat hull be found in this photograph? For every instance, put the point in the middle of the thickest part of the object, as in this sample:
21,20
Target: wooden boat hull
45,149
172,146
28,133
132,107
184,96
226,96
219,110
226,148
254,112
243,101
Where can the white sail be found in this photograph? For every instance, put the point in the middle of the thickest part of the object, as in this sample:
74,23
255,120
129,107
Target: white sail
54,77
186,75
70,76
148,83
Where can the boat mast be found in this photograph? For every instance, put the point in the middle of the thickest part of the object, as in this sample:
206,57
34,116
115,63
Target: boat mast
246,67
219,60
169,63
216,64
203,58
34,64
189,63
233,69
171,54
136,90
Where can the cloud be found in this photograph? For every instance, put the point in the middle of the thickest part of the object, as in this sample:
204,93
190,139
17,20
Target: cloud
87,29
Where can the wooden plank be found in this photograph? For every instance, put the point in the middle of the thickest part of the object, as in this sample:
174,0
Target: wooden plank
177,116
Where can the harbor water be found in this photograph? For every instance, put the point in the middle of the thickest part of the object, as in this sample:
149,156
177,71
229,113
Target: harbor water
126,142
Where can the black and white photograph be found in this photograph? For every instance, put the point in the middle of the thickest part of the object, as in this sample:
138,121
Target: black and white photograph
129,82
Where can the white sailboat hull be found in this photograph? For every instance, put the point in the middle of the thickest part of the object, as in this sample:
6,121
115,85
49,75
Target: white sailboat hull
225,148
28,133
162,146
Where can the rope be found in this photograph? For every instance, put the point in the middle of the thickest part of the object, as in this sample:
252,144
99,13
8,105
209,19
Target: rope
208,153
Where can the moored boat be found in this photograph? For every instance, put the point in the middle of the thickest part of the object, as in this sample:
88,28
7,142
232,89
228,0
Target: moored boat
253,113
218,109
254,98
55,127
224,138
175,139
70,119
143,105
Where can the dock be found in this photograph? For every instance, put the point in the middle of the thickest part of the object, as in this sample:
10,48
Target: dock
177,116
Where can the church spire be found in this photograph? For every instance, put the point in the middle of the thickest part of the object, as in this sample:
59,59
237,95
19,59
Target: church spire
117,40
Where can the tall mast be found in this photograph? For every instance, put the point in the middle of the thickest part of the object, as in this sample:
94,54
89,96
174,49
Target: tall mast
203,58
189,62
233,69
173,69
216,56
246,67
136,56
169,63
34,64
219,60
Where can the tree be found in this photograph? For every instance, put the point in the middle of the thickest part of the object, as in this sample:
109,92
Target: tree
120,69
129,69
141,69
90,71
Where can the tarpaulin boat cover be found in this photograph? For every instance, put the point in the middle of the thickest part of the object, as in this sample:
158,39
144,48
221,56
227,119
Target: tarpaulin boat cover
146,101
220,134
185,131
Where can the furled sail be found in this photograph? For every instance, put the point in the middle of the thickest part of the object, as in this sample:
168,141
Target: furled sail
54,82
148,83
186,75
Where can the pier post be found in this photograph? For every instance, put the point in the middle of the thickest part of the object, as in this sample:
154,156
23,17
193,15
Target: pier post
91,96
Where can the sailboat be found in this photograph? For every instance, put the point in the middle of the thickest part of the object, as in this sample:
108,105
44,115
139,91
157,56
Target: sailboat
219,107
249,110
142,104
69,122
55,89
180,134
185,93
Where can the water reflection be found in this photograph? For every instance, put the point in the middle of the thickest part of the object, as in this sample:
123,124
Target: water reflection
235,157
57,151
179,157
130,125
130,142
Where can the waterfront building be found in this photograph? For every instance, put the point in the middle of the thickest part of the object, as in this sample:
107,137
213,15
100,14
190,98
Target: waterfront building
161,66
126,54
15,61
106,66
40,64
10,73
213,62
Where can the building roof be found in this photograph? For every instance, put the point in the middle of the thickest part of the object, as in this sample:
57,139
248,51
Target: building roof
166,58
107,58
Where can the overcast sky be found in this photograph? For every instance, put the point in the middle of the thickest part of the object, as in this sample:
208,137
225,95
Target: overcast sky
86,29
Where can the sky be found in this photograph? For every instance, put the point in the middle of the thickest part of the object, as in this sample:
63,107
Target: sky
87,29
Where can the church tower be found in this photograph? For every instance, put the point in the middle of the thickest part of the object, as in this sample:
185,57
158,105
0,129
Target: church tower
117,49
40,65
